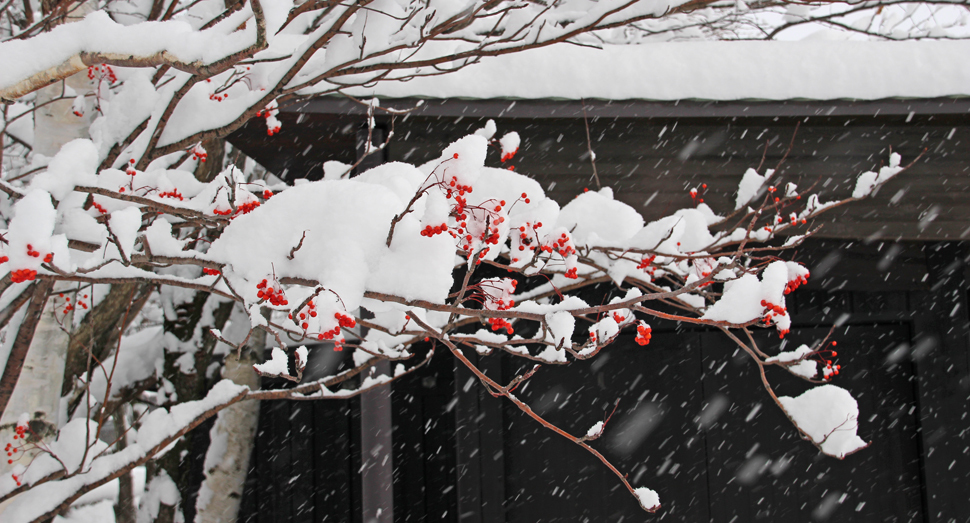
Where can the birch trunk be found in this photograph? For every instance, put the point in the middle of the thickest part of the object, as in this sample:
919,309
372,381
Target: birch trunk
232,436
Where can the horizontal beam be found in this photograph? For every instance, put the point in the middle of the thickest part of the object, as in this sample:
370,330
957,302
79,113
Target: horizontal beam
646,109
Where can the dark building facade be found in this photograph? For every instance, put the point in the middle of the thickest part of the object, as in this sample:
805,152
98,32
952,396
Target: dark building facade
693,421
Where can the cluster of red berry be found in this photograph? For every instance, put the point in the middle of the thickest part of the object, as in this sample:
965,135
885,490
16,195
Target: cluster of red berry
525,238
430,231
245,208
776,310
494,291
501,305
211,272
508,155
618,318
269,113
174,193
824,357
772,311
794,284
267,194
100,207
4,259
68,307
500,323
10,449
794,219
694,194
562,245
343,320
103,71
219,97
130,168
303,315
22,275
199,153
645,263
643,334
272,293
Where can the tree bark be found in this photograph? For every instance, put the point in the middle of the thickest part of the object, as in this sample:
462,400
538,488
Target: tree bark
17,360
101,329
125,510
232,436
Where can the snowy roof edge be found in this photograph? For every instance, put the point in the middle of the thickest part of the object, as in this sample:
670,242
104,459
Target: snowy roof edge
810,70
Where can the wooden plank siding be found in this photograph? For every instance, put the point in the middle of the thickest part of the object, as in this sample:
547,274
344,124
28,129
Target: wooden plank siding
880,270
652,162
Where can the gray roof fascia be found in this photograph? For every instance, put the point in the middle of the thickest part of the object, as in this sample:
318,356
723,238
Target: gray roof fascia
496,108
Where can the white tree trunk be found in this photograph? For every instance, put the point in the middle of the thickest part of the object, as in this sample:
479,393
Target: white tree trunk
38,390
232,436
55,124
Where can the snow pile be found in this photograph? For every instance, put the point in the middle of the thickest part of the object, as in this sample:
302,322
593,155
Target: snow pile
796,362
811,69
648,499
749,187
829,416
748,298
275,366
98,33
869,180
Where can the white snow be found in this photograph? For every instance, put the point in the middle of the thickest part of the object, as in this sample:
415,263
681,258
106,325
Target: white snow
829,415
275,366
98,33
649,499
796,363
156,428
869,180
746,70
750,184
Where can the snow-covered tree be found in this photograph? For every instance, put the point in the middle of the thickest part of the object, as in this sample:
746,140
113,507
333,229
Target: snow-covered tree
146,267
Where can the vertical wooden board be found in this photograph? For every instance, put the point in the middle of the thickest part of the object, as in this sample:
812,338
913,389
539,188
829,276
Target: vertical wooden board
250,504
331,462
282,463
467,444
409,453
491,439
356,490
438,440
942,353
425,478
300,482
651,436
760,470
247,505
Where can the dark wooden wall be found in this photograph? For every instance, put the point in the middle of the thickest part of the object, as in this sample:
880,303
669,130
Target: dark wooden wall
902,307
652,161
461,455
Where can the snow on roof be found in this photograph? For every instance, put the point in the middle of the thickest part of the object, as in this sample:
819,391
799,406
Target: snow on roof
738,70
